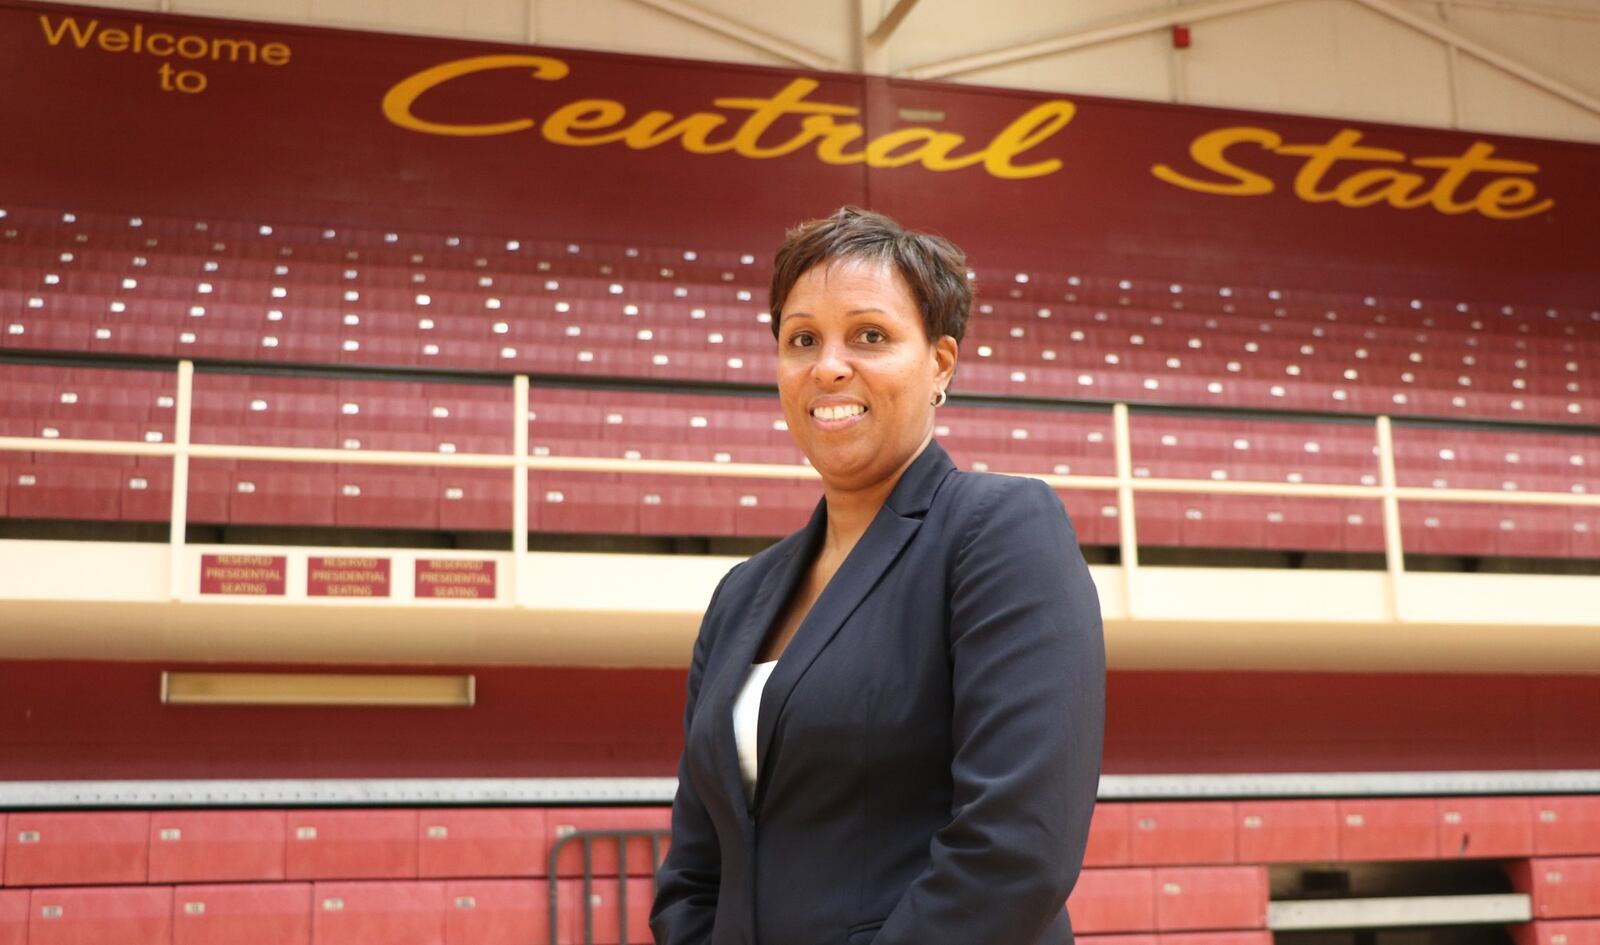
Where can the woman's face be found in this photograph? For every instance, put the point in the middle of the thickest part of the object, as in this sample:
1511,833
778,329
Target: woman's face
856,371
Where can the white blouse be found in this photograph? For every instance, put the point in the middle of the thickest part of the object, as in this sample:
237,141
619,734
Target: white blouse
746,718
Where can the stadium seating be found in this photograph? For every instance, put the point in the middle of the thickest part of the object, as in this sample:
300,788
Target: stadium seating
374,414
81,281
1173,869
269,294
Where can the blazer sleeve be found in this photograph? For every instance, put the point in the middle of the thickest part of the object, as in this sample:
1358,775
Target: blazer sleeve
1028,679
691,873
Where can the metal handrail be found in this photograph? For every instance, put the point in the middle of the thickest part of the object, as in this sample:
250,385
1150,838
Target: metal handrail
1125,483
587,838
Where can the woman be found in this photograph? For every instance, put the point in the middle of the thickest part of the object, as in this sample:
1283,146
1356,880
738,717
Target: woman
895,714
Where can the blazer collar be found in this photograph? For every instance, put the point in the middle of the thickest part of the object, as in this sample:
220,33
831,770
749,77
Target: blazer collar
893,527
913,494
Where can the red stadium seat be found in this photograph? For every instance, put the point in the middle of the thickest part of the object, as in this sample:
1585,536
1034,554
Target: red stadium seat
1388,829
575,502
352,844
1231,937
1113,900
1211,897
216,846
395,913
1566,825
1182,833
78,848
1478,827
1561,888
497,912
1287,831
114,915
373,497
293,496
483,843
670,508
242,914
772,507
54,490
475,500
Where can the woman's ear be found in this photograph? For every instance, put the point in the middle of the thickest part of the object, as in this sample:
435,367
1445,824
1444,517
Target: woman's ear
945,353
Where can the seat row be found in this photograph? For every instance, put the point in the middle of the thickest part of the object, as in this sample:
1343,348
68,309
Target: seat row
449,912
645,504
85,403
137,847
539,310
123,848
499,345
1231,900
89,232
1165,906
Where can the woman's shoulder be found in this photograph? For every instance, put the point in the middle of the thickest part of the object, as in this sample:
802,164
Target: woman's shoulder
969,492
982,510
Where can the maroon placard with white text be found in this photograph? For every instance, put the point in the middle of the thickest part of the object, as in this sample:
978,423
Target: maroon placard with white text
455,578
246,575
347,577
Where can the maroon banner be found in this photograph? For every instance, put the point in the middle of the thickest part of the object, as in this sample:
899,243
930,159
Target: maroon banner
249,575
347,577
275,123
459,578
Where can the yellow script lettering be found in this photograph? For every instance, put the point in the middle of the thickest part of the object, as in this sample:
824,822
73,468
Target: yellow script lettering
1322,157
397,103
1474,159
594,121
585,115
1209,151
1506,197
1029,131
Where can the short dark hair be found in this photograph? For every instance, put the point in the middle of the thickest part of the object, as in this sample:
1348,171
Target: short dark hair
933,267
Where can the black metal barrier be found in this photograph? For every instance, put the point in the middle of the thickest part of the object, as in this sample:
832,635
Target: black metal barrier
587,839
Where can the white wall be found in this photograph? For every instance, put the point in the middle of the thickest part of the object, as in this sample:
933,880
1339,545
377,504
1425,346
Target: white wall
76,600
1340,58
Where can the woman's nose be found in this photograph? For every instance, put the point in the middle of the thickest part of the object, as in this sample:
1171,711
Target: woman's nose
831,365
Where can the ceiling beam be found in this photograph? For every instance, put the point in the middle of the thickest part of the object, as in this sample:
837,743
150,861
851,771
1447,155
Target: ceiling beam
891,22
1455,40
750,36
1527,9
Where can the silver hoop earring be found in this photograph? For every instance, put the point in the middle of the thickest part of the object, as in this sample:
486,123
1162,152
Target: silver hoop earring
939,397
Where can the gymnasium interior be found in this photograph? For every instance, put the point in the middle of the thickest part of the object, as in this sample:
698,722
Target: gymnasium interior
386,387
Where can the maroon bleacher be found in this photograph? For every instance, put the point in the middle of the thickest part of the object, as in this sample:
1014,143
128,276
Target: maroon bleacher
1173,869
331,297
81,281
374,414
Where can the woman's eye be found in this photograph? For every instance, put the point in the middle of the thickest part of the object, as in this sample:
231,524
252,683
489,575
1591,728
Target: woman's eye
800,340
873,336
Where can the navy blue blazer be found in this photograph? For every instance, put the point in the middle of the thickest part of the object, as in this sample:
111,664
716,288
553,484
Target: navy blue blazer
929,741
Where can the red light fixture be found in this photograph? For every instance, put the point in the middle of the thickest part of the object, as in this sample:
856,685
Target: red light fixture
1180,36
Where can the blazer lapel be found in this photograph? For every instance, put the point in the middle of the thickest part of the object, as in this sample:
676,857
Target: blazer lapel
775,590
877,549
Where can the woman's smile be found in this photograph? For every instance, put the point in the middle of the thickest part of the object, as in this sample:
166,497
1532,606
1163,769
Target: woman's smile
833,414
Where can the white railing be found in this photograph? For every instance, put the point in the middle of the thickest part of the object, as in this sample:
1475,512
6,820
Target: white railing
1124,483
